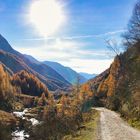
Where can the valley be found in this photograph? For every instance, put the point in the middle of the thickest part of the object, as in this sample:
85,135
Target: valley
69,89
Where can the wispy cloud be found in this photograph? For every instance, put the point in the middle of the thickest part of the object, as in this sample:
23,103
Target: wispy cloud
79,37
90,66
95,36
71,53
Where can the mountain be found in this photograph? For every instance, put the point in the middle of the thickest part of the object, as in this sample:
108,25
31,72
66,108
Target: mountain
32,59
68,73
4,45
16,62
87,75
118,88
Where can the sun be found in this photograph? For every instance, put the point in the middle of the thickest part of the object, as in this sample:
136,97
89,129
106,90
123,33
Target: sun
46,16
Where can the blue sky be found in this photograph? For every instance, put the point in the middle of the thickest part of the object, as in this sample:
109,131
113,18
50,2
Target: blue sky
80,42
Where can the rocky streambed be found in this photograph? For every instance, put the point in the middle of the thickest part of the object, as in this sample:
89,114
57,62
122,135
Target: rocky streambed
25,115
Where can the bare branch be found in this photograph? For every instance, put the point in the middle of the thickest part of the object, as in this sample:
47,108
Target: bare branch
112,46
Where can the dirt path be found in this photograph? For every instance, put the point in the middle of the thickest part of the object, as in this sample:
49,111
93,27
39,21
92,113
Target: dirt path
112,127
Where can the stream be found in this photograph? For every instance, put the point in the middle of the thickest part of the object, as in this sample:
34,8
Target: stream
21,134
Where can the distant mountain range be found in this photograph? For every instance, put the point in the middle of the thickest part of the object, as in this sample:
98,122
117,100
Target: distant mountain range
68,73
54,75
87,75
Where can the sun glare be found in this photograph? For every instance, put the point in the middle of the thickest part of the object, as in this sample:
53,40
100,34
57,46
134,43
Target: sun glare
46,16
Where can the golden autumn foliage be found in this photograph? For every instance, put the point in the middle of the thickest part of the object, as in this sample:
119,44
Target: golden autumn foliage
59,119
7,118
64,116
7,90
86,90
108,85
29,84
42,101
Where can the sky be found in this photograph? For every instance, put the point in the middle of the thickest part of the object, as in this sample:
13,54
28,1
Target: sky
71,32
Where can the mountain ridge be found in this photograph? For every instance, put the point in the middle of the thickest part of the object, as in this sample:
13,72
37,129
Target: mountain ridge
68,73
87,75
19,62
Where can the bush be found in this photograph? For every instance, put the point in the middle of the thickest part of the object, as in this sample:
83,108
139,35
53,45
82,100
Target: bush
5,132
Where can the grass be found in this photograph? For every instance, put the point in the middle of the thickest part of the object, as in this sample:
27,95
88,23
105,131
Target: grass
134,123
89,129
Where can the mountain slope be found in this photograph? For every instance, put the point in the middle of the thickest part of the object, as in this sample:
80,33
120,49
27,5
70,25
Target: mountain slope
15,64
69,74
17,61
7,90
29,84
4,45
87,75
118,88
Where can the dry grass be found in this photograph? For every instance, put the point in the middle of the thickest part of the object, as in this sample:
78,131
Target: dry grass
7,118
89,128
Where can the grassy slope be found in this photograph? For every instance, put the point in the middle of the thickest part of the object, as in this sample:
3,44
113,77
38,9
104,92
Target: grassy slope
89,130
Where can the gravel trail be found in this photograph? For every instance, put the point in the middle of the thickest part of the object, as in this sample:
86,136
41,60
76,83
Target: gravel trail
112,127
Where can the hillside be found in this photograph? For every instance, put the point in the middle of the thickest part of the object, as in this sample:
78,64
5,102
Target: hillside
87,75
7,90
16,61
45,100
29,84
19,89
118,88
68,73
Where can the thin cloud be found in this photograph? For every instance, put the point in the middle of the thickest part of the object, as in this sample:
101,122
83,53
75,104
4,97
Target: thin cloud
71,53
79,37
96,36
91,66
